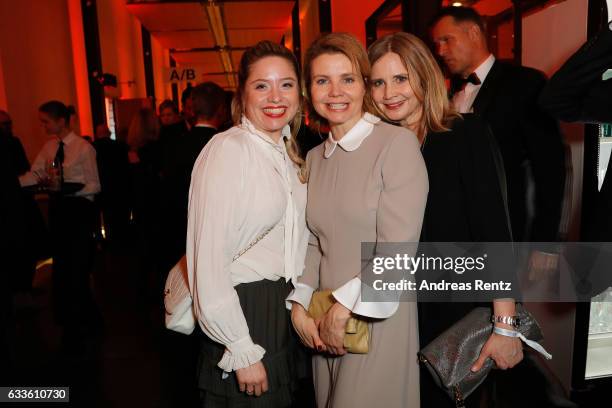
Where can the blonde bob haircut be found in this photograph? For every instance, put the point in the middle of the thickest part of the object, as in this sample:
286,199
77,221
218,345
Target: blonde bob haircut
424,76
343,44
252,55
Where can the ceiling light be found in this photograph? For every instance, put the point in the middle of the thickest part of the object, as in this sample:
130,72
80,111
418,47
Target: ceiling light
231,80
226,60
216,24
457,4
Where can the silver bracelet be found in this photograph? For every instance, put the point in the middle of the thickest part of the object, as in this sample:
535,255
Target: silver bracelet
513,321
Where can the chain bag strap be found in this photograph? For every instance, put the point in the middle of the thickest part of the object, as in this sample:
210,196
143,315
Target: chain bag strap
177,297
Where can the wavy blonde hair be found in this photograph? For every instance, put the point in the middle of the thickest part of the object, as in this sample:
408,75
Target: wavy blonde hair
255,53
343,44
425,78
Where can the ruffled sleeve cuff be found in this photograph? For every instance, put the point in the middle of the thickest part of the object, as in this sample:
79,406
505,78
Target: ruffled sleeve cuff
302,294
349,295
241,354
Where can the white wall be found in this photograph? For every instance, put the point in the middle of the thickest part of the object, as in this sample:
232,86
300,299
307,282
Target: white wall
37,64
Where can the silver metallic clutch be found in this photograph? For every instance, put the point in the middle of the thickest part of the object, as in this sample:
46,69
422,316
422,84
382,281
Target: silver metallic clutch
451,355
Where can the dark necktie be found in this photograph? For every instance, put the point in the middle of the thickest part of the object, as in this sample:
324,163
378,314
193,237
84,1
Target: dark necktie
59,161
458,83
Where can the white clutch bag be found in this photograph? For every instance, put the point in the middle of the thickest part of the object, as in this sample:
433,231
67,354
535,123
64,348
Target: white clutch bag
177,300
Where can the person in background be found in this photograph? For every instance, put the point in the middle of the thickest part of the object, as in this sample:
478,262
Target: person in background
179,158
13,145
23,273
181,352
114,171
14,241
577,92
247,238
186,104
228,122
145,157
506,97
466,201
71,219
172,125
168,113
366,183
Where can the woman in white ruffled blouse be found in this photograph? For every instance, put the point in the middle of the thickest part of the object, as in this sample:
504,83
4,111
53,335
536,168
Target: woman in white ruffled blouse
247,238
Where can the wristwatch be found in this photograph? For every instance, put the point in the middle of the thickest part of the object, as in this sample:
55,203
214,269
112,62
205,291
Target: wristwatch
513,321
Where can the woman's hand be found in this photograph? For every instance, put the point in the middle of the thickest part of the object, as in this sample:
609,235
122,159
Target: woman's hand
505,351
253,379
332,328
306,327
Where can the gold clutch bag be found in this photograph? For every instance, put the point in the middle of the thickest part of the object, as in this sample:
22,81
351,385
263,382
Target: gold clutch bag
357,338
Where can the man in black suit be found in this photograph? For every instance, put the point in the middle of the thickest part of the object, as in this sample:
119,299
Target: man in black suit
13,144
19,164
506,97
113,170
179,158
577,92
179,352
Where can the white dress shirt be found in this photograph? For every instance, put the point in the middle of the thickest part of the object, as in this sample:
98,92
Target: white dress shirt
242,184
464,99
79,164
349,294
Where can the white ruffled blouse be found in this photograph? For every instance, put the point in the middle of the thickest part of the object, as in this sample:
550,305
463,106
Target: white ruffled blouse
242,184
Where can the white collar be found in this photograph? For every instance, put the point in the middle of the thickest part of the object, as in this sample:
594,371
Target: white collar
249,127
354,137
483,69
68,139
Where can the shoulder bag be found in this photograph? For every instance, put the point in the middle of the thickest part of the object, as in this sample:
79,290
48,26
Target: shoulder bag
177,297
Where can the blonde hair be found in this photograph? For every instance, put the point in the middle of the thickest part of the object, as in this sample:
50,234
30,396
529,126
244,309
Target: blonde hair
425,78
255,53
343,44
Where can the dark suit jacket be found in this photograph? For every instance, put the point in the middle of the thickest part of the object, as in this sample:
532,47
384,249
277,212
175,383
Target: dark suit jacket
178,159
19,160
465,204
113,167
531,145
14,218
577,93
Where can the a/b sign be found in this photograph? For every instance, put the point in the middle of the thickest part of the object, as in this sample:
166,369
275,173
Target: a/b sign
180,74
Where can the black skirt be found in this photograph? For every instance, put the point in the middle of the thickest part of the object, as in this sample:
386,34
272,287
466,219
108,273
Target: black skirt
286,360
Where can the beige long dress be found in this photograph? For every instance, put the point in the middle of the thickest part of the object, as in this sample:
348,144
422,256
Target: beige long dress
371,186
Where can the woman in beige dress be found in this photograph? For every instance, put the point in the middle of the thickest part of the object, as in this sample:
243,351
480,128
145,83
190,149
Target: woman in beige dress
366,183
